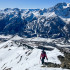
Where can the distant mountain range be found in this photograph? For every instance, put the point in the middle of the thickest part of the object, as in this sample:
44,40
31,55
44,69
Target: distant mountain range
53,22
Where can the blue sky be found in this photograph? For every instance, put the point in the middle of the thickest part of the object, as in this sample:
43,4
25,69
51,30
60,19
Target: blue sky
26,4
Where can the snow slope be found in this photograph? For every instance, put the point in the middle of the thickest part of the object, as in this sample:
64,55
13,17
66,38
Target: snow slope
20,58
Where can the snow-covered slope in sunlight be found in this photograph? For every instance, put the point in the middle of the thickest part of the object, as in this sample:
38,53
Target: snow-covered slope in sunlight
19,58
49,14
39,39
3,36
16,37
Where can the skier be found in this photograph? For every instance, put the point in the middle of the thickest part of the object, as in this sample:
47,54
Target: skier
42,56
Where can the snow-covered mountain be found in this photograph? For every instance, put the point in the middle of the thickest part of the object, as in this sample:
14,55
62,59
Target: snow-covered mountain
48,23
25,32
19,53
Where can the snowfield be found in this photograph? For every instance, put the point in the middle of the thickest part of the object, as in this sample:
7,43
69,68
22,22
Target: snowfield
20,58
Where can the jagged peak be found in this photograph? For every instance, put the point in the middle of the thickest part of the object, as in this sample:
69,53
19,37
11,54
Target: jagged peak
62,5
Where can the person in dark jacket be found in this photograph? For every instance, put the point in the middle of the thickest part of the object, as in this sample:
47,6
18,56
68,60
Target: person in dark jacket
42,56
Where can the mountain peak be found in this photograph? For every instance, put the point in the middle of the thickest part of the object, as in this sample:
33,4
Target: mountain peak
60,5
46,23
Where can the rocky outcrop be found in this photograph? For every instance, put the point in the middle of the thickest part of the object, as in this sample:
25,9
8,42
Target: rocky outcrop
65,61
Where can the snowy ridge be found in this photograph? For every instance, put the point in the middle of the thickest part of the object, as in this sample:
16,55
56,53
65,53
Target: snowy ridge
18,58
15,54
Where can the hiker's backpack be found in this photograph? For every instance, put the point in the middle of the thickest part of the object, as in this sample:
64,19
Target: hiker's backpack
43,54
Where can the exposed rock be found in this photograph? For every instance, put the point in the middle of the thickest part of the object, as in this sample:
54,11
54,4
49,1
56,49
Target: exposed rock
65,61
49,64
